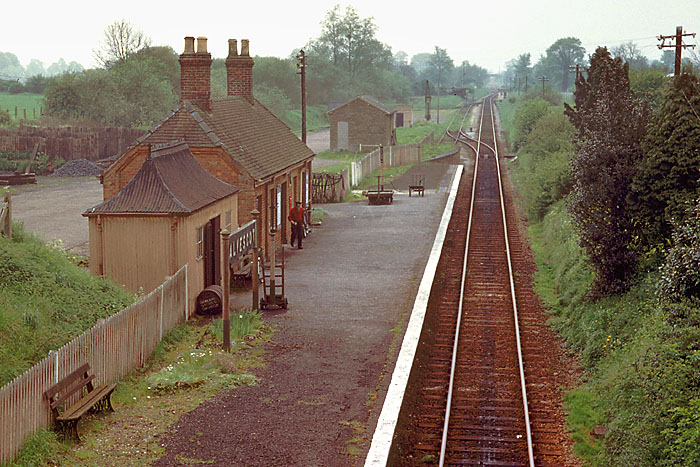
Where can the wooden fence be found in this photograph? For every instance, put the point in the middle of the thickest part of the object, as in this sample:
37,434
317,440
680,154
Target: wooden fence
393,156
113,347
70,142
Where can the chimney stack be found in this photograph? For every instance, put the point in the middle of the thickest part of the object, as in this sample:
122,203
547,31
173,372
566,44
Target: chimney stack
239,70
195,73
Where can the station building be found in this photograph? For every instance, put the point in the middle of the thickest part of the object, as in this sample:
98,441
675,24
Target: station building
168,215
361,124
235,138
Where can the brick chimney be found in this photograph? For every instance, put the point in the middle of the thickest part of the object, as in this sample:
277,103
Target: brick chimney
195,73
239,70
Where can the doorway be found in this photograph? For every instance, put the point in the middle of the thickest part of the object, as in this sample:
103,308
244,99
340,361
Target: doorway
212,255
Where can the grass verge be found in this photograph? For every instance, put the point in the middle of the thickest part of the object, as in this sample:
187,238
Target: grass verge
186,369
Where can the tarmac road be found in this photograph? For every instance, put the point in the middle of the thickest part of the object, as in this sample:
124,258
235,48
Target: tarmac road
53,209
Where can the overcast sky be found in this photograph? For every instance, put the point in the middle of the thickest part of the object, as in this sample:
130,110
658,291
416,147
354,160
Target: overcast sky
487,33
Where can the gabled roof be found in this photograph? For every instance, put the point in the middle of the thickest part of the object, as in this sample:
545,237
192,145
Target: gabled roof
248,132
170,181
369,100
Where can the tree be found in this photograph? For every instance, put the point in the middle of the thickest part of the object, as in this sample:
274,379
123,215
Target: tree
349,42
10,68
669,173
35,68
630,53
610,124
440,64
121,40
561,55
521,68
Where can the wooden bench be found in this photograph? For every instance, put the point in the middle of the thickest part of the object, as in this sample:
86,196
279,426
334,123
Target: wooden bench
418,185
97,398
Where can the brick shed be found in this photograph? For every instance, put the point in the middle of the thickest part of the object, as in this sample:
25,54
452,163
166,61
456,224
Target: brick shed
168,215
235,138
403,116
362,122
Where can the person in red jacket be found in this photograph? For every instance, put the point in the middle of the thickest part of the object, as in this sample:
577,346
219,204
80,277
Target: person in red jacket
296,217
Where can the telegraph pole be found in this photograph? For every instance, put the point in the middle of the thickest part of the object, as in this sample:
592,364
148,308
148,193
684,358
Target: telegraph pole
525,84
428,98
679,46
543,79
301,66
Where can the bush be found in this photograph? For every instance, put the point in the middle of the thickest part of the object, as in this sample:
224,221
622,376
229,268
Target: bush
525,119
680,275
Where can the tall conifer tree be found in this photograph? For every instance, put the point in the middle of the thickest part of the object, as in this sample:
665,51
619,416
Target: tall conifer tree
610,125
669,174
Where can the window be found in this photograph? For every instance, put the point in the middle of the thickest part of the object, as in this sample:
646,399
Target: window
200,242
279,206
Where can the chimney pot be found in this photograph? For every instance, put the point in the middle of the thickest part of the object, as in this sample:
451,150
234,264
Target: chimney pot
244,48
189,45
232,48
201,45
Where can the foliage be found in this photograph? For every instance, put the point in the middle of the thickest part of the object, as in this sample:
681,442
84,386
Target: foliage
680,275
648,84
610,125
561,55
525,119
121,40
5,119
242,325
630,53
544,163
41,449
18,160
668,177
45,301
133,93
349,42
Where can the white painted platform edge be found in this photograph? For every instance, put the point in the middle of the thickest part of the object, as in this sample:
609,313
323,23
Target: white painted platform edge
378,454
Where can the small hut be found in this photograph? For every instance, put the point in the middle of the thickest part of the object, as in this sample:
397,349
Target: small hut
361,124
168,215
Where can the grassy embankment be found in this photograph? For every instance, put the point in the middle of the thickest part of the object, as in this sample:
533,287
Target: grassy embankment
46,300
31,102
641,367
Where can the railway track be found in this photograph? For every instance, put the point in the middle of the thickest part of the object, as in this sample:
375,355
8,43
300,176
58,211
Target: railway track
478,393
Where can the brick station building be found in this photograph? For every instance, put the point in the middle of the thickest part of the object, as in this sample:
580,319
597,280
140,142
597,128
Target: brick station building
361,124
235,138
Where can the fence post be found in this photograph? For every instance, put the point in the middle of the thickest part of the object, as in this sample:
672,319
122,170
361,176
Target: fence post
7,227
256,248
226,287
187,293
162,301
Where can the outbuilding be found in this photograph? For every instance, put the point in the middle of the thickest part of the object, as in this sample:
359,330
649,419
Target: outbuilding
168,215
361,124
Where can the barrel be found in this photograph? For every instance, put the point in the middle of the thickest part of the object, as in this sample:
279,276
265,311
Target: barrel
209,300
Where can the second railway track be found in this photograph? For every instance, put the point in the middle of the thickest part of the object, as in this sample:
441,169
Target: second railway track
474,412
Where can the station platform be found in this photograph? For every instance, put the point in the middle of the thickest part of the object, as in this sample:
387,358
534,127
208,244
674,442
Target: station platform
351,291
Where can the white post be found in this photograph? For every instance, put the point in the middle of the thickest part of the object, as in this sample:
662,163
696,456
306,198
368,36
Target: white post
162,301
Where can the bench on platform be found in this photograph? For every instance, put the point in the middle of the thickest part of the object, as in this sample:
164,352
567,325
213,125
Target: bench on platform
418,185
79,383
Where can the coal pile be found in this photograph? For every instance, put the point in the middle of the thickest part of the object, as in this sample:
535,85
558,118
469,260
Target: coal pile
78,168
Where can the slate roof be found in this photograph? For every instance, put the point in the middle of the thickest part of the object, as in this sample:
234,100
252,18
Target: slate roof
247,131
369,100
170,181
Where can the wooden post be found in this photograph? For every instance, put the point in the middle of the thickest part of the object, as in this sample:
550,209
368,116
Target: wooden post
226,288
256,258
7,227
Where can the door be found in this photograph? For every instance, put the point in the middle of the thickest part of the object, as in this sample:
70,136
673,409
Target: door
212,254
343,143
399,120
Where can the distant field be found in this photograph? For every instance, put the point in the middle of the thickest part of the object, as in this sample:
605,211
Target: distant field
22,101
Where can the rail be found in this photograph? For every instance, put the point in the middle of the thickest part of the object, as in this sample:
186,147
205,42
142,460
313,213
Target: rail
443,447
